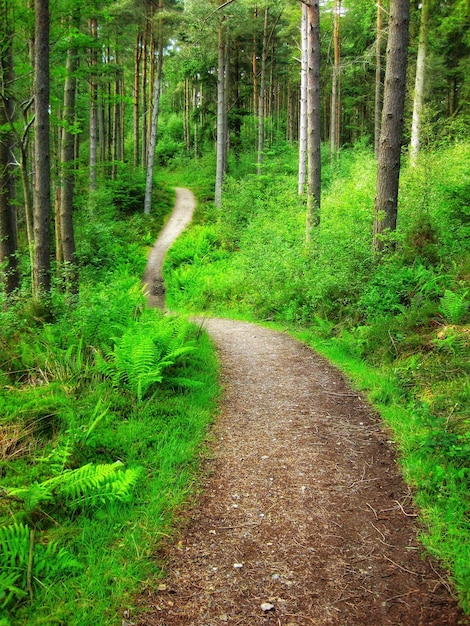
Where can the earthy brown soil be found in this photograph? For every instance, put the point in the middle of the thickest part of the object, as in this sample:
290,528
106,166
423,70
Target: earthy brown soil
303,517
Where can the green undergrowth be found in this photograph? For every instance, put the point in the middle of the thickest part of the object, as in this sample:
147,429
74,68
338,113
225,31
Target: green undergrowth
399,325
104,411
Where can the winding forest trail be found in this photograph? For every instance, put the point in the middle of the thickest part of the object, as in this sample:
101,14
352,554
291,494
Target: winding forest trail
304,518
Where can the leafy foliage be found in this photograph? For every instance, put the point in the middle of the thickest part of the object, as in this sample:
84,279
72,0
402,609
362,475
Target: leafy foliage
24,562
145,350
454,306
64,423
89,485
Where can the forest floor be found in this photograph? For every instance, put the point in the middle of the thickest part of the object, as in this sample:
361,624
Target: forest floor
303,517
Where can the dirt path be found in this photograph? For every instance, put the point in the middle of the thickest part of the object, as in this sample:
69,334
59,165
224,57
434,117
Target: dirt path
180,217
304,518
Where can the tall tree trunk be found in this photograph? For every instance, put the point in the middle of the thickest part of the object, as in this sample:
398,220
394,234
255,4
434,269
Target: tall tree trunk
154,121
10,277
24,149
313,118
378,79
335,88
388,164
270,95
117,152
255,66
152,56
67,168
108,109
27,152
302,178
102,135
187,114
237,122
419,83
59,254
145,61
138,62
226,103
42,157
93,28
196,126
201,107
262,92
122,151
220,147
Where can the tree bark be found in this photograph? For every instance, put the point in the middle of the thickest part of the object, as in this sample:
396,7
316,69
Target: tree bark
10,276
227,78
93,28
219,175
154,121
262,92
42,157
255,67
145,61
419,83
187,114
335,87
237,122
138,61
67,169
378,79
302,177
388,164
313,118
194,97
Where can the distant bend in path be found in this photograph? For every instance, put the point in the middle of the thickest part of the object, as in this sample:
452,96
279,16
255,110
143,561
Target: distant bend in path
180,217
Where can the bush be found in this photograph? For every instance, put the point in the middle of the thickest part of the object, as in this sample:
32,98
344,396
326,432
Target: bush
127,191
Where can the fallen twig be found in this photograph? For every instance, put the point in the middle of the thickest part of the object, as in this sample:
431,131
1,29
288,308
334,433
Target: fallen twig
373,510
404,569
30,565
383,537
404,512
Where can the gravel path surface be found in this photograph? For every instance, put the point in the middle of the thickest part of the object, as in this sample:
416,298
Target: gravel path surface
304,518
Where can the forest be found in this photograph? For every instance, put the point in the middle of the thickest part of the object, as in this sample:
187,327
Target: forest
327,143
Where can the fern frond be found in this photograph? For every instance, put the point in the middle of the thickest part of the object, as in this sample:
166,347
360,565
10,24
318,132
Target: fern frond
185,383
117,488
14,557
48,561
98,415
51,561
454,306
89,485
140,357
73,483
33,495
92,485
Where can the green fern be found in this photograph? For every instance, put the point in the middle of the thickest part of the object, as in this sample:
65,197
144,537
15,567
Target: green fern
143,353
33,495
24,562
454,306
14,557
89,485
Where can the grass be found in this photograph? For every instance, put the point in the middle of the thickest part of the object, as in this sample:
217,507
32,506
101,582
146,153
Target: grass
61,410
119,544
